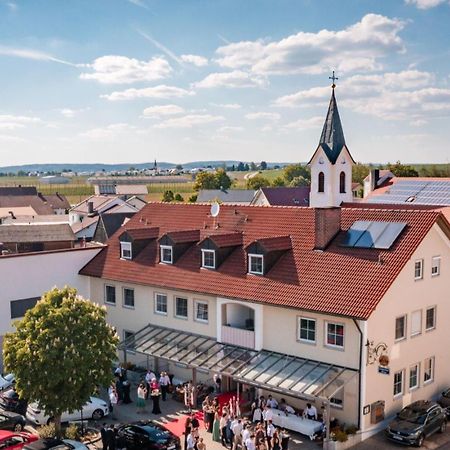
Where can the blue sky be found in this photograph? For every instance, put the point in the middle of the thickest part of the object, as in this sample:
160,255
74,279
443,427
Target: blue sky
183,80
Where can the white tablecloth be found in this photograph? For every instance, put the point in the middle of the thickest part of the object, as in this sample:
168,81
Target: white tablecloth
295,423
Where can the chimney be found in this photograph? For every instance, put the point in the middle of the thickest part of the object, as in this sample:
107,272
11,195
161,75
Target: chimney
90,207
374,177
327,225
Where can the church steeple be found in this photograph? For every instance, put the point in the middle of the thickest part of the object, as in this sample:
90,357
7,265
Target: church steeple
332,138
331,163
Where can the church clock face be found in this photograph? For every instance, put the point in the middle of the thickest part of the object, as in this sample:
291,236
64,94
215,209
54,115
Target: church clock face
321,161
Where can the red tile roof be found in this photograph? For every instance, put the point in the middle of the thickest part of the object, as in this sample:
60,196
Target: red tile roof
338,281
276,243
141,233
287,196
184,236
223,240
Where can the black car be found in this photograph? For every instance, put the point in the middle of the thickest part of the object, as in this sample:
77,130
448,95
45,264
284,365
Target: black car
10,401
147,435
417,421
11,421
444,401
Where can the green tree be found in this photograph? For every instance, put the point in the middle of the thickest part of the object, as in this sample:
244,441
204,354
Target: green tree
216,180
61,351
168,197
359,172
263,165
279,182
178,198
299,181
253,166
402,170
296,170
256,182
179,167
193,198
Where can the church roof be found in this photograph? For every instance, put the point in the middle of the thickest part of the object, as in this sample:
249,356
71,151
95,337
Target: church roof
332,138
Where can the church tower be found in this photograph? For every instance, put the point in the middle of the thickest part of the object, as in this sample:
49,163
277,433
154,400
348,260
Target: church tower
331,164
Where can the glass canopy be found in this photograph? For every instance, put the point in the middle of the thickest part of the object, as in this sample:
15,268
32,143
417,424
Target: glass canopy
273,371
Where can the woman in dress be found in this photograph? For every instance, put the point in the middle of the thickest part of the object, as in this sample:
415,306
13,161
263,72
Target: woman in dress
276,443
216,427
141,395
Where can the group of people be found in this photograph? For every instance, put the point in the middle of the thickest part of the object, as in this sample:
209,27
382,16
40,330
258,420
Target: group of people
151,387
110,440
228,428
192,440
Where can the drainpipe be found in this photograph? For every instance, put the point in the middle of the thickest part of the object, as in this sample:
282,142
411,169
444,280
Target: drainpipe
361,367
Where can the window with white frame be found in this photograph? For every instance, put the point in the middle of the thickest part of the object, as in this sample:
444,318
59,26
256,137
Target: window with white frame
416,323
400,328
208,259
335,334
418,269
428,370
256,264
181,307
201,311
430,318
128,297
307,330
125,250
398,383
414,376
166,254
435,266
110,294
160,303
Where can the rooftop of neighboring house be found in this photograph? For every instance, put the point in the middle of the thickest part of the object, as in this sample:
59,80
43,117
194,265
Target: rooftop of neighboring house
36,233
287,196
231,196
307,271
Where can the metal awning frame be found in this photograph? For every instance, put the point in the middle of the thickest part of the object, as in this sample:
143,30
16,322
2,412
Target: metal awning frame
151,341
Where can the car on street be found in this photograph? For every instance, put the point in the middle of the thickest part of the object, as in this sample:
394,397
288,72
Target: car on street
6,380
444,401
417,421
11,421
10,440
95,409
10,401
146,435
59,444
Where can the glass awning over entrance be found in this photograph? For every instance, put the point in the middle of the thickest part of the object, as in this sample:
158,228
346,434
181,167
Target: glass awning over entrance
273,371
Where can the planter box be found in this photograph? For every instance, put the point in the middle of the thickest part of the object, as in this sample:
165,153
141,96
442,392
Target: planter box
352,440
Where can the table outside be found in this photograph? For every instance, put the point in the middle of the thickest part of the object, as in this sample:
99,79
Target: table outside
293,422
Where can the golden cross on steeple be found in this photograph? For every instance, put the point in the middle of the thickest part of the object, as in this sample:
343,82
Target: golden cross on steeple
333,78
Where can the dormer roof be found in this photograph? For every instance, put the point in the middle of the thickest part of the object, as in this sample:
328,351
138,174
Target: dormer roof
182,237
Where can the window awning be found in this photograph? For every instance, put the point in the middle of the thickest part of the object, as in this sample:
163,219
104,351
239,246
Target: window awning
273,371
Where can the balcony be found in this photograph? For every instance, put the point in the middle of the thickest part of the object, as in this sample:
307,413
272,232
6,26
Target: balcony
238,336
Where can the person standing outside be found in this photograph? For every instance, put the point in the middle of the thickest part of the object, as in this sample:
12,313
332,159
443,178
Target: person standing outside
148,379
103,435
164,382
113,399
141,396
310,412
270,431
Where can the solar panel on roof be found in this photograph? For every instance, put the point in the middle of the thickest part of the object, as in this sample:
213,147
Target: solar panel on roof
373,234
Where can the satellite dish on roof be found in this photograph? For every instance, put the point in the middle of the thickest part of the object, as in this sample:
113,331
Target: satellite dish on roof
215,209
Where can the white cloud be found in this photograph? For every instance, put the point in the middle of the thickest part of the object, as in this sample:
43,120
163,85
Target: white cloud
161,47
108,132
426,4
303,98
153,112
12,6
11,139
114,69
227,105
139,3
70,113
305,124
189,121
234,79
263,116
12,122
35,55
230,129
196,60
161,91
357,47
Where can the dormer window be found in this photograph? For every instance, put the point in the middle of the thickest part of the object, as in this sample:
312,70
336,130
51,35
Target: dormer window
166,254
125,250
208,259
256,264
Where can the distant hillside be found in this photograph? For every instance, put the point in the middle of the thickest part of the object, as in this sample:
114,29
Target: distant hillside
117,167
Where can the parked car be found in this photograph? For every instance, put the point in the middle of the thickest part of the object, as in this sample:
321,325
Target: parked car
60,444
95,409
11,421
417,421
147,435
10,440
10,401
6,381
444,401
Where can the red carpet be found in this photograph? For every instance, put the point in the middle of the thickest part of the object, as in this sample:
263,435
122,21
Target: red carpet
177,426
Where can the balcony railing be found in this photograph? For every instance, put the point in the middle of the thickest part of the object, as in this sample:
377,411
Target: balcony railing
238,336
